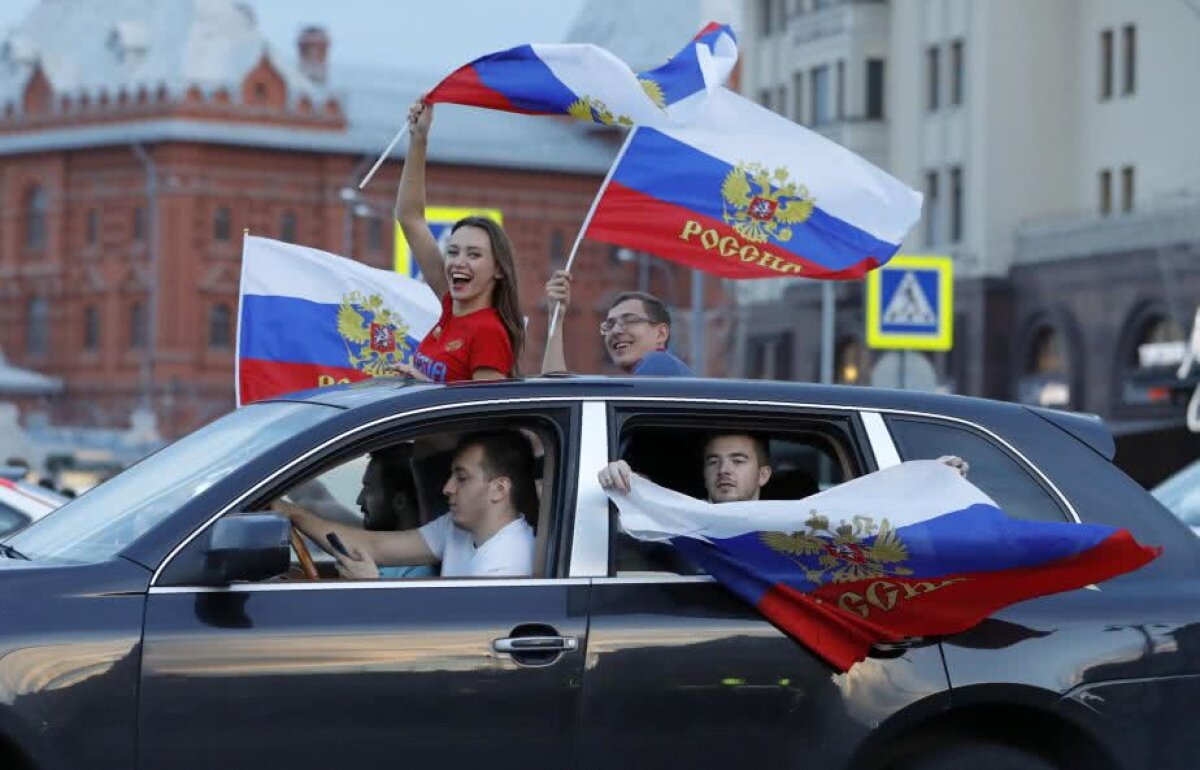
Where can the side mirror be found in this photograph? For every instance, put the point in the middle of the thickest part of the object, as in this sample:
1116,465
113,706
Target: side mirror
247,547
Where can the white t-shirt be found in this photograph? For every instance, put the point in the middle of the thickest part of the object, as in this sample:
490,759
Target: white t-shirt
508,553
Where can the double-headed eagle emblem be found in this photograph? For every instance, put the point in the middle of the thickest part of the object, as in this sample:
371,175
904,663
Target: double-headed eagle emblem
761,204
375,337
592,110
842,553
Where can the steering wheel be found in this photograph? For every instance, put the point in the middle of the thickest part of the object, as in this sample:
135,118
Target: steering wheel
306,560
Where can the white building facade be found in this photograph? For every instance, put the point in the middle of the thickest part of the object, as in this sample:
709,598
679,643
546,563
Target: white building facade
1056,145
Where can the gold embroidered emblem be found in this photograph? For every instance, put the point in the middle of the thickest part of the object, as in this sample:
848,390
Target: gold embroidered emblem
842,555
761,204
453,345
375,337
592,110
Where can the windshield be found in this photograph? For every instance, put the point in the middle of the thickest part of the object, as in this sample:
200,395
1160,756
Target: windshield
102,522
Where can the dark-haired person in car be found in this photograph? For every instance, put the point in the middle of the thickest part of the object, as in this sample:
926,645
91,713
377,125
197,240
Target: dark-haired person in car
636,332
736,467
484,533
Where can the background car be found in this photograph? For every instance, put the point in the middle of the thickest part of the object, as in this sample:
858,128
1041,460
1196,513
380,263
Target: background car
22,503
1180,493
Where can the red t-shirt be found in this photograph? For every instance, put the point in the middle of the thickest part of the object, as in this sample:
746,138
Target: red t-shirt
458,345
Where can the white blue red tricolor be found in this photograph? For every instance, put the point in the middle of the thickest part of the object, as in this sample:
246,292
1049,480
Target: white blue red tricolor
590,83
744,193
309,319
910,551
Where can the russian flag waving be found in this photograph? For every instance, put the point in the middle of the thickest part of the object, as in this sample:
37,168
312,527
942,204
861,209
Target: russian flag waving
744,193
308,319
910,551
589,83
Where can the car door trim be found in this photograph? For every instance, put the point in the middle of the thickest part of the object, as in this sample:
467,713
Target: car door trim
590,535
369,584
882,445
604,400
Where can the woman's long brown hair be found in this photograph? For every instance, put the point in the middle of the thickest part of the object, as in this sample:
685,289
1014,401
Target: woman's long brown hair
506,296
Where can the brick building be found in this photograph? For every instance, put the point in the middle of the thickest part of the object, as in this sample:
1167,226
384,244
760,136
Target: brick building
141,137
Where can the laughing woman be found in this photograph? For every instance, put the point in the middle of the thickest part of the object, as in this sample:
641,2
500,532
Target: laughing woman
480,333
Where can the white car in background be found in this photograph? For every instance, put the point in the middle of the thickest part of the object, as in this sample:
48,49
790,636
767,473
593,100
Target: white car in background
1180,493
22,503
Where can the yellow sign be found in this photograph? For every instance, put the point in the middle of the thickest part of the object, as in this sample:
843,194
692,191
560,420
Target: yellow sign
910,304
441,219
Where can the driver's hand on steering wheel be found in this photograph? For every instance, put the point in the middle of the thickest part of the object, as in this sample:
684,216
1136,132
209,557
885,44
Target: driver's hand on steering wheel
356,566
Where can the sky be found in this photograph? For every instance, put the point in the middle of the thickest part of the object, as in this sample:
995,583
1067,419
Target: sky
418,35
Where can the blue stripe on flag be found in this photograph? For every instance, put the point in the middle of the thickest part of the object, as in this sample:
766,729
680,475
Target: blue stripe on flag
525,80
677,173
291,330
681,77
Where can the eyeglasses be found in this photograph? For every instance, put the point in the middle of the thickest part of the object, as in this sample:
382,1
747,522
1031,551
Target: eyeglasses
624,321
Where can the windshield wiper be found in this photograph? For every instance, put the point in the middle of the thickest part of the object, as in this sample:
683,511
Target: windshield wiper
12,553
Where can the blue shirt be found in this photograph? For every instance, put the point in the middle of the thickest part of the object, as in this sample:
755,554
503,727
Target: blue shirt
421,571
662,363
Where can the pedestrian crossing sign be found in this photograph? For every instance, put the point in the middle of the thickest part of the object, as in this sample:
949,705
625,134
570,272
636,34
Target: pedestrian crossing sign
910,304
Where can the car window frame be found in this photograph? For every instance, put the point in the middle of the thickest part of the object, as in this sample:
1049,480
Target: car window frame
387,430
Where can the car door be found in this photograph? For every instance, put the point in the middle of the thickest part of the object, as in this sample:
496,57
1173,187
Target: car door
680,673
420,673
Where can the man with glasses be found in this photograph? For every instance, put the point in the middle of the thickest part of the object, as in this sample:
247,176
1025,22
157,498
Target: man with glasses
636,332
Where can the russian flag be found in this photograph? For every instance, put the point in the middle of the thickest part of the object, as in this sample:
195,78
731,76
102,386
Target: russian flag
308,319
590,83
910,551
741,192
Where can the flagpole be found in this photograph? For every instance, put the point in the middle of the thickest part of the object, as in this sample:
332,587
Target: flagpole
237,342
587,220
388,151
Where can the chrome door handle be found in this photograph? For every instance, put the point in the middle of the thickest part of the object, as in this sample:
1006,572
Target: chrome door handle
522,644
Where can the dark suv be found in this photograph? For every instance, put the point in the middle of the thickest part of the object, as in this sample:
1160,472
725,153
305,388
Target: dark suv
162,620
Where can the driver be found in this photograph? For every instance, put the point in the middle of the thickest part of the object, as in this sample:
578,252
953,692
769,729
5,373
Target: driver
484,533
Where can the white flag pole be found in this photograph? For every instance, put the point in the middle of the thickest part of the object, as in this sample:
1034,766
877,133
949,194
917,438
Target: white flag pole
384,156
588,220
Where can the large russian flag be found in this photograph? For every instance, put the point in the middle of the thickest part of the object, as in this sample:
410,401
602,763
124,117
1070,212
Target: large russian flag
744,193
308,319
910,551
590,83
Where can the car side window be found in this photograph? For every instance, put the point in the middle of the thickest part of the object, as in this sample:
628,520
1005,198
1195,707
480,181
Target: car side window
11,519
1000,475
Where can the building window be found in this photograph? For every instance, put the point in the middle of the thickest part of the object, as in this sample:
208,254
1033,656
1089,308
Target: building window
220,327
840,83
765,10
137,325
781,100
1105,192
1129,71
37,326
139,223
956,204
771,357
932,206
764,98
375,233
1046,378
1106,65
557,247
222,226
875,74
820,95
798,96
93,226
932,65
91,328
956,72
35,218
1127,189
287,227
1159,333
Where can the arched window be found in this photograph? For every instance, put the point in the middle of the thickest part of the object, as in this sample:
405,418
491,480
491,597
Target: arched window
35,218
93,226
1046,377
220,327
137,325
287,227
37,326
557,248
1046,354
91,328
222,226
375,233
1158,343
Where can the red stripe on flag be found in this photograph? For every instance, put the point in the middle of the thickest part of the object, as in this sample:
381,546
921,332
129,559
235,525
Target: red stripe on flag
259,379
630,218
712,26
841,621
463,86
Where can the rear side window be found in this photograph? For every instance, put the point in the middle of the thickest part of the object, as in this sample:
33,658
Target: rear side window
10,519
1000,475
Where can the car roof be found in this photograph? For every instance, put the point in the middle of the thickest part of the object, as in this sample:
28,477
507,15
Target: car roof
33,505
393,394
